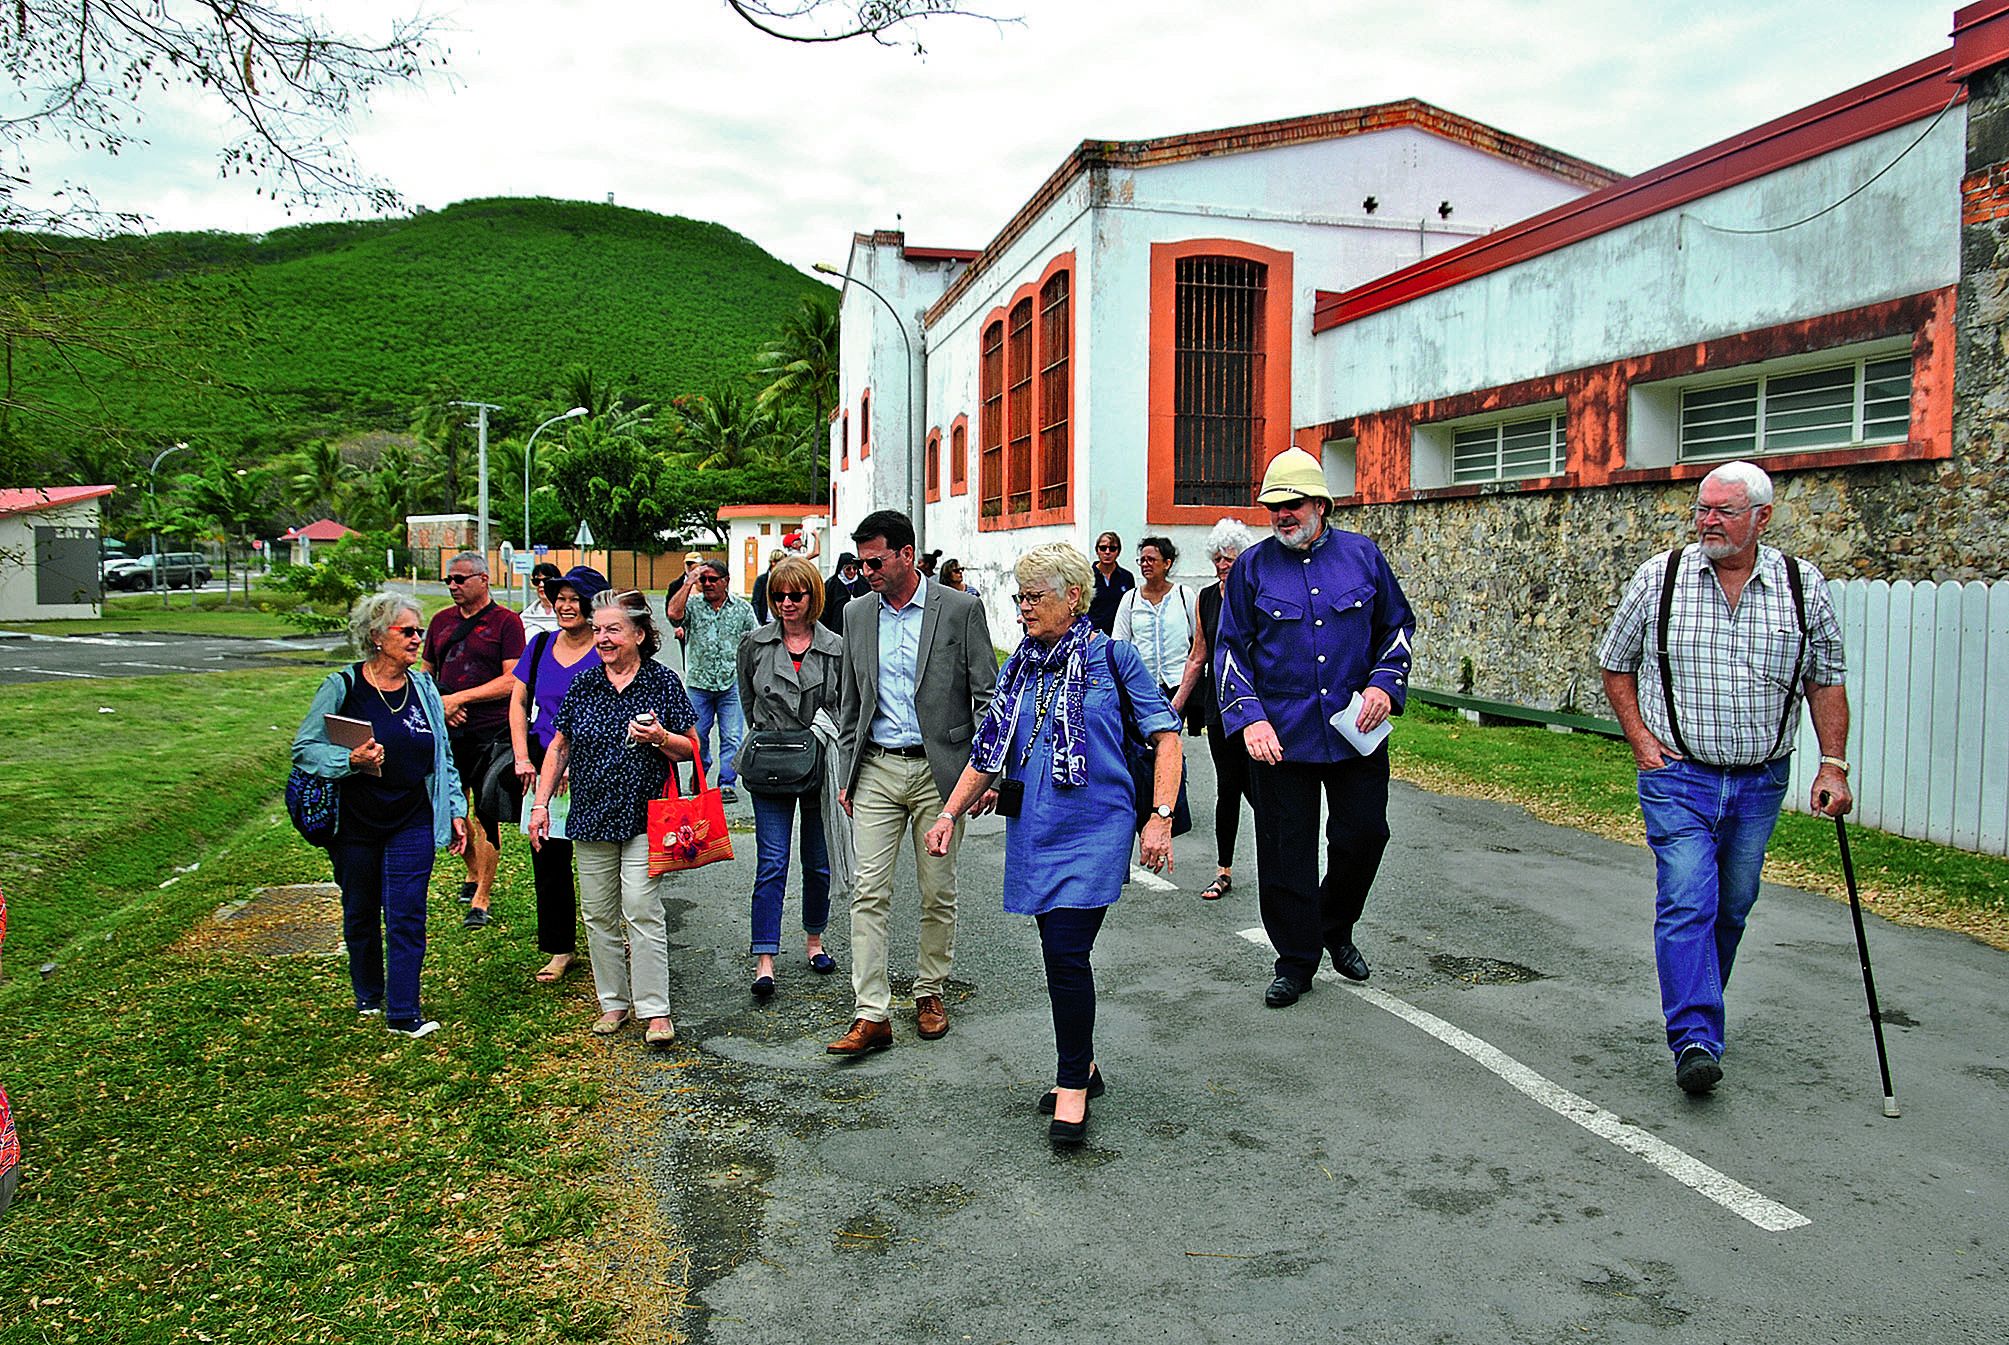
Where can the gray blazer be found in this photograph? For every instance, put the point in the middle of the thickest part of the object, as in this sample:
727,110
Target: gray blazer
773,694
957,671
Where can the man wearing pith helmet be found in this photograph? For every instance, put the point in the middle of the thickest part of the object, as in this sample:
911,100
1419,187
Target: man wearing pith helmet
1310,617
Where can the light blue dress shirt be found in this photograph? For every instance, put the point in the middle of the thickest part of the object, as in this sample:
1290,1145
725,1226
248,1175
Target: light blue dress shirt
894,722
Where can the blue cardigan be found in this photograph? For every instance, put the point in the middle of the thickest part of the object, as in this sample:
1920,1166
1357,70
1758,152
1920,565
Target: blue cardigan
314,754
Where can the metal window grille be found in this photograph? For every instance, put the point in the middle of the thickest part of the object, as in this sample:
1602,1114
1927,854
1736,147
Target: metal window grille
1054,393
1511,450
959,458
990,422
1218,380
1866,401
1018,410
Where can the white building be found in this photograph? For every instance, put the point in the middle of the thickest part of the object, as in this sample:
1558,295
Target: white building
49,551
756,531
1122,354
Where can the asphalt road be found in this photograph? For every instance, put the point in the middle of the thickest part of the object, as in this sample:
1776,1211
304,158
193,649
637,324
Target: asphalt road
1333,1170
49,658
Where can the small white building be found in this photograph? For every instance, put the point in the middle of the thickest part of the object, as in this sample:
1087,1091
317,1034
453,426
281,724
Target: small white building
756,531
1134,344
326,531
49,551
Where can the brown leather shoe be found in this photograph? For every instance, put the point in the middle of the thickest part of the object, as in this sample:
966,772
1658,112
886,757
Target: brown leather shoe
931,1017
865,1035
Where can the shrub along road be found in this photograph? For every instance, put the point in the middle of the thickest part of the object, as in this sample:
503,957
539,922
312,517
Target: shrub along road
1332,1169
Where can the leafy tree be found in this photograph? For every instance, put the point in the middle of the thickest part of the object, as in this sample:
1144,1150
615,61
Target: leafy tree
343,573
318,478
448,463
800,363
231,499
624,488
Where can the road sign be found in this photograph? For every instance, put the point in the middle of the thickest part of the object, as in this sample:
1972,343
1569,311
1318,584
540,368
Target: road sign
522,564
584,537
505,554
541,550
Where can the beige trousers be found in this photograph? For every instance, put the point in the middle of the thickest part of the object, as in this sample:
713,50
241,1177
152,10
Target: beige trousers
896,797
627,936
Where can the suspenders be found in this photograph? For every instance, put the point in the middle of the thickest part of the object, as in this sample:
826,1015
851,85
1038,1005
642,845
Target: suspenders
1795,583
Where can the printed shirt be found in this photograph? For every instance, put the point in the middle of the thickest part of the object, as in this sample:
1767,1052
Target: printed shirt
895,722
376,807
1301,631
612,781
711,656
1737,675
491,646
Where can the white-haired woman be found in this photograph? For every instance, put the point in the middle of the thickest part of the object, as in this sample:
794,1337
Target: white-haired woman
618,730
1225,543
1055,733
401,801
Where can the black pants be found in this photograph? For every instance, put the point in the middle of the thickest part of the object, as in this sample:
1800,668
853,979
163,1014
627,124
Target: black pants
557,898
1301,914
474,750
1231,786
1066,937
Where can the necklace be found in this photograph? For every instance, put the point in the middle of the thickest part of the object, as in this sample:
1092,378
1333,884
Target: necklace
403,700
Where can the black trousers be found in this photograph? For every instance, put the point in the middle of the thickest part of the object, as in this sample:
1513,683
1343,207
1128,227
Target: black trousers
1303,914
557,898
1066,938
1231,786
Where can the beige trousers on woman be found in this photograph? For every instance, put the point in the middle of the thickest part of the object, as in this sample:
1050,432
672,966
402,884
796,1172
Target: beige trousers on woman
627,936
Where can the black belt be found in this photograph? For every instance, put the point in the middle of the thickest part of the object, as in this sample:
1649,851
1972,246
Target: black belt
917,753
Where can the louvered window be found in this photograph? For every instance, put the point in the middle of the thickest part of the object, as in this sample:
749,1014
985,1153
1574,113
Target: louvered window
1018,413
990,422
1511,450
1865,401
1054,392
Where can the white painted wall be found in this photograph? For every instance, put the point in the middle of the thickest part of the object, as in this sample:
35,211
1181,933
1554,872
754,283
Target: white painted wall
1668,280
760,536
17,561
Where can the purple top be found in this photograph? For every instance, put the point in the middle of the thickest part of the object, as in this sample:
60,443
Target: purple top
553,679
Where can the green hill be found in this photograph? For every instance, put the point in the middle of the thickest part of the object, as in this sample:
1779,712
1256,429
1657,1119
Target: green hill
323,329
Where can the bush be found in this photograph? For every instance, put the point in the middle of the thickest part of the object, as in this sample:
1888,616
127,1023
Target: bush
328,589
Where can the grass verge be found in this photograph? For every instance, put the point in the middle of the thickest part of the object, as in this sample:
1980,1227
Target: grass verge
212,614
1589,782
214,1146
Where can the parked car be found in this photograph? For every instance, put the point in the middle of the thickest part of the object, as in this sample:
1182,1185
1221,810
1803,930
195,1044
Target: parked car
176,569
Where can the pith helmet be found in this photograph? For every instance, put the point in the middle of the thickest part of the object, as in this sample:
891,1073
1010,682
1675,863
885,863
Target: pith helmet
1292,474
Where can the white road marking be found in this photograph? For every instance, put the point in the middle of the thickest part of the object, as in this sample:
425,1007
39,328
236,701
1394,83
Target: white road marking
1145,878
55,672
113,641
1685,1168
137,663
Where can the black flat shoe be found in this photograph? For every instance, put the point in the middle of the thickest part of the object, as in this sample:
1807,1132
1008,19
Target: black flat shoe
763,987
1097,1086
476,918
1347,961
1068,1134
1284,992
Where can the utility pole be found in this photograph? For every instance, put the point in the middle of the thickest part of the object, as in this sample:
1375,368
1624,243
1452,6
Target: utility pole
481,439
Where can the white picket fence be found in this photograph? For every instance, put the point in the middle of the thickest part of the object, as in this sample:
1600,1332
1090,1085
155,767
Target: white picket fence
1928,679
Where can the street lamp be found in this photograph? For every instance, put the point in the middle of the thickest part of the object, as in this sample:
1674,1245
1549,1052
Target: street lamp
573,414
154,511
916,476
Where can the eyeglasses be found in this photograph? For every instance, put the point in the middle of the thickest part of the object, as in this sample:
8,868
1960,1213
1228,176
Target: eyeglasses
456,579
1285,506
409,632
1107,546
1029,599
712,579
788,597
1702,511
873,562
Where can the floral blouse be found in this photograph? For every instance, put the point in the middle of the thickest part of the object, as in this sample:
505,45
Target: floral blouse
612,779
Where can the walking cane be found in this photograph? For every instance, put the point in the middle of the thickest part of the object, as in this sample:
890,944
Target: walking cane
1862,953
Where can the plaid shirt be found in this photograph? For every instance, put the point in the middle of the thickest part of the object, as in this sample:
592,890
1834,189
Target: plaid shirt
1735,673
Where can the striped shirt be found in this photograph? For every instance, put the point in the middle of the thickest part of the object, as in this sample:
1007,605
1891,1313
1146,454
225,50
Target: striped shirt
1737,675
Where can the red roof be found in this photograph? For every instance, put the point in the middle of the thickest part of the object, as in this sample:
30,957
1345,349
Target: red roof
36,499
1904,96
320,530
772,510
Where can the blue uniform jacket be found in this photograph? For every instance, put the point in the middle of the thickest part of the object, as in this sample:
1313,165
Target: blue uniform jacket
1302,631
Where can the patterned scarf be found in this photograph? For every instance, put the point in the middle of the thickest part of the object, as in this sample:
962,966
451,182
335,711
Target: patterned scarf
1018,683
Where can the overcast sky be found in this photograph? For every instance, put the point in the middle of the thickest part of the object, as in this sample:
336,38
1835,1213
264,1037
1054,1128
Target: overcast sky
678,107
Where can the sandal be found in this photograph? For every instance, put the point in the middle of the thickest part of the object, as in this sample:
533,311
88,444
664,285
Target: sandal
1220,887
607,1024
554,970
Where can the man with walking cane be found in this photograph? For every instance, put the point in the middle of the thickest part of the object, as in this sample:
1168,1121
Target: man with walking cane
1712,649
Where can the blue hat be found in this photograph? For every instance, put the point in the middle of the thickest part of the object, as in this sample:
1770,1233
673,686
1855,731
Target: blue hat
586,581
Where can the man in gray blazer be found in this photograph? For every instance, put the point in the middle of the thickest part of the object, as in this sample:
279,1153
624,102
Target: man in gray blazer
918,674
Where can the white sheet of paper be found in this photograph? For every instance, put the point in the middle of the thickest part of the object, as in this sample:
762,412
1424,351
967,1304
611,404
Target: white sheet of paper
1363,743
561,808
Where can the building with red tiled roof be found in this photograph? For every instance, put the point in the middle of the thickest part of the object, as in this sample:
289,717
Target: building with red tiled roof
49,551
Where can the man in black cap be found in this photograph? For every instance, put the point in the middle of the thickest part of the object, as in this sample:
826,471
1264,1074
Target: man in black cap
841,587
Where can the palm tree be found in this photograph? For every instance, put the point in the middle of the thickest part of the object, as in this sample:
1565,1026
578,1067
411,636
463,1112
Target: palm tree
231,498
727,427
318,478
800,364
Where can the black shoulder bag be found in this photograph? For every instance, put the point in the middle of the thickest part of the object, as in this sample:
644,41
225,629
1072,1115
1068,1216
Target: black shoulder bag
1143,759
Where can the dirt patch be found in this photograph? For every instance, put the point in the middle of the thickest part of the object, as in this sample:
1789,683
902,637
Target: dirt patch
297,920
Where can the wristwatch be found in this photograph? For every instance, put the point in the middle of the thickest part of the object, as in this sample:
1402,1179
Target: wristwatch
1163,810
1839,763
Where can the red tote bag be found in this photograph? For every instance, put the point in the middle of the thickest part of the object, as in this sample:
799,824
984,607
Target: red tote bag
687,833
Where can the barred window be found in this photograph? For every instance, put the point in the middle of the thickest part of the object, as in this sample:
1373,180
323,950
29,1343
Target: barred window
990,422
1864,401
1018,410
1217,380
1510,450
1054,388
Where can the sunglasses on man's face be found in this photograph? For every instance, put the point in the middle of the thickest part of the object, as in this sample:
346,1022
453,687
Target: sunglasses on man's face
464,578
1107,546
873,562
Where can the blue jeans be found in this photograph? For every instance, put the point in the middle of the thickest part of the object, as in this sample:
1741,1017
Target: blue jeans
772,816
384,892
723,708
1708,827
